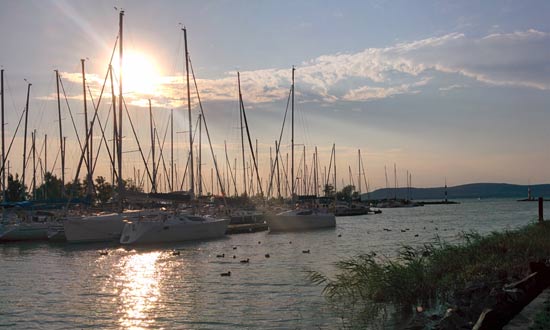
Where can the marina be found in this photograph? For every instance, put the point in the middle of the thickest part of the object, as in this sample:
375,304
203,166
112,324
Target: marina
62,286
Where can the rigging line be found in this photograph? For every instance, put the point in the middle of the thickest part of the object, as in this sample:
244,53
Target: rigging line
42,106
189,154
279,144
72,118
251,148
161,147
55,160
137,141
72,189
229,166
329,168
12,139
103,137
208,134
6,81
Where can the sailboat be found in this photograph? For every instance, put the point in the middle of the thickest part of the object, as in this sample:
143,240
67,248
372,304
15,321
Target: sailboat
176,226
305,217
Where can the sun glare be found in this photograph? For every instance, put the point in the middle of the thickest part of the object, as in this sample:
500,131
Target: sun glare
140,74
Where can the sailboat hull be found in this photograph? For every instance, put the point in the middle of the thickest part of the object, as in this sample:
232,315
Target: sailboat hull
100,228
294,222
24,232
174,230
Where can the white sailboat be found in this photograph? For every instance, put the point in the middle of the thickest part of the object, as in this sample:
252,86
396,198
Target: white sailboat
174,227
24,226
98,227
300,219
177,226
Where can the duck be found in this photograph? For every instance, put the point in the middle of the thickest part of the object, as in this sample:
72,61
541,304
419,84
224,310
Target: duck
234,248
226,274
339,235
175,253
220,255
245,261
267,255
305,251
103,253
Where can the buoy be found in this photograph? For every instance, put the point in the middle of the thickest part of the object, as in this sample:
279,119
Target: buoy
245,261
220,255
226,274
305,251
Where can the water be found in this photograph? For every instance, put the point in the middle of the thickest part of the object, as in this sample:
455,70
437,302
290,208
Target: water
47,286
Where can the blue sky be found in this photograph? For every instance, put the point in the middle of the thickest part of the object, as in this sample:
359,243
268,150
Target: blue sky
455,89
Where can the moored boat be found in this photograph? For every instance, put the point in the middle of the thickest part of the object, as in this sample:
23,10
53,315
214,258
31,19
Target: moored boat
300,220
172,227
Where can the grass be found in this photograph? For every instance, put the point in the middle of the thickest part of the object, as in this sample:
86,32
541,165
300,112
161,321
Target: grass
542,319
366,285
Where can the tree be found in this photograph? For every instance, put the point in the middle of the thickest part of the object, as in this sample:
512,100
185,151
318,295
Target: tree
104,190
346,193
16,192
328,190
50,189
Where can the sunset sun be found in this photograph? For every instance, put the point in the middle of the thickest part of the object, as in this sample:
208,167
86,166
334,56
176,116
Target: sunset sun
140,73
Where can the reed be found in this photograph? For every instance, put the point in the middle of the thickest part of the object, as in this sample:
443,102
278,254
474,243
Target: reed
368,284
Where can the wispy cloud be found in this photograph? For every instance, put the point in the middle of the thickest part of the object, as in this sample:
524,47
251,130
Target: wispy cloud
498,59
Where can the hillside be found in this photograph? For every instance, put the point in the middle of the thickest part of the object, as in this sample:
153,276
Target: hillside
473,190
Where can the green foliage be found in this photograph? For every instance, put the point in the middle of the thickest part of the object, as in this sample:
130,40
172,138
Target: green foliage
328,189
50,189
16,192
104,190
420,275
346,194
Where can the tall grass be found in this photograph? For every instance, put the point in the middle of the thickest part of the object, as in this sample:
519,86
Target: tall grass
367,284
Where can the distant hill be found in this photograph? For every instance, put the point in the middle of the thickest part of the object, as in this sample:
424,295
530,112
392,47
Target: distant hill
473,190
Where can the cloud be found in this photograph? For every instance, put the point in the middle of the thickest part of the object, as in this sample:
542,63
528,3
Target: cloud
514,59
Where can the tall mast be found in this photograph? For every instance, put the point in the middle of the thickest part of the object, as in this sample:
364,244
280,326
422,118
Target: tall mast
61,144
115,134
25,136
316,173
305,172
89,149
154,187
191,167
172,149
3,145
359,169
121,52
33,141
292,138
242,132
199,165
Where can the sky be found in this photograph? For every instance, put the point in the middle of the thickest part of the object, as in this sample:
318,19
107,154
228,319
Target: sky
455,90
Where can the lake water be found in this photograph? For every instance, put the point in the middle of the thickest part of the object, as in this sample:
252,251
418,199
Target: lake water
62,286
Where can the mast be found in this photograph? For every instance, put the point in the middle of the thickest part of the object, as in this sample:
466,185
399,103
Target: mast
305,172
172,149
89,149
33,138
316,173
115,134
359,170
191,168
119,136
25,136
292,138
61,144
154,187
199,165
3,142
242,132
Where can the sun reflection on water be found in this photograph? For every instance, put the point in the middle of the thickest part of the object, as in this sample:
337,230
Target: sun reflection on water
140,292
